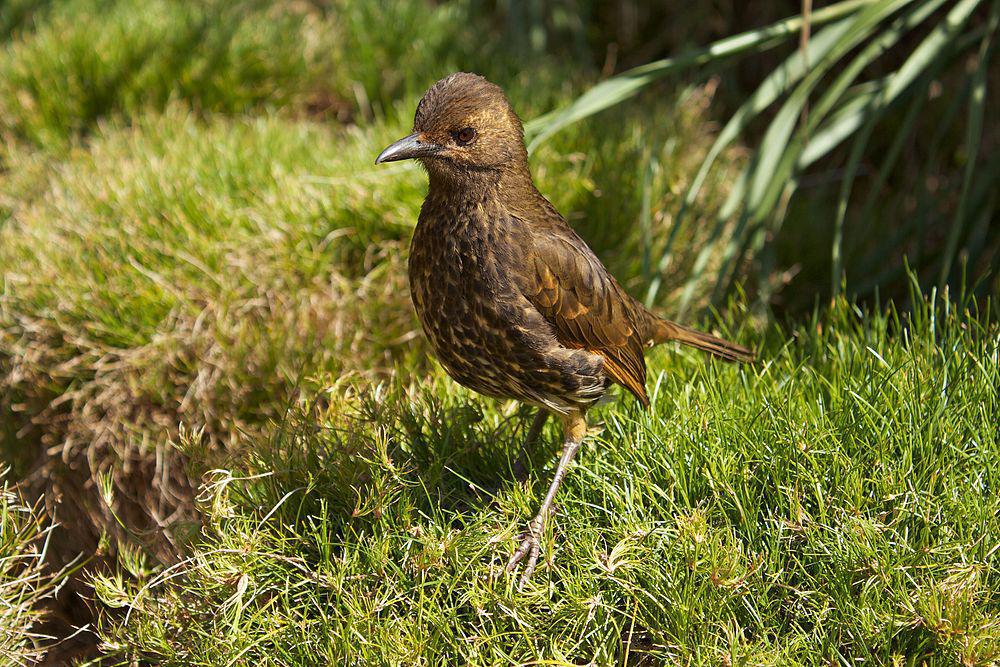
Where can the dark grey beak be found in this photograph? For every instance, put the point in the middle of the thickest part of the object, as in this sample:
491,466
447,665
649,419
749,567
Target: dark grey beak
408,148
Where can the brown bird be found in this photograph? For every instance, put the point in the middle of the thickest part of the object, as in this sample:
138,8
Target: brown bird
513,302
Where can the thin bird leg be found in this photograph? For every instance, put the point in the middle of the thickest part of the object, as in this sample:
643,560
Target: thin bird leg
535,430
520,467
575,427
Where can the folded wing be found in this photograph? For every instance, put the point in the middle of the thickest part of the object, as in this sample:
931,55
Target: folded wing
586,306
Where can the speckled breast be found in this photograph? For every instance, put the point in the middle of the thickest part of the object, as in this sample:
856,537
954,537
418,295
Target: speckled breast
484,332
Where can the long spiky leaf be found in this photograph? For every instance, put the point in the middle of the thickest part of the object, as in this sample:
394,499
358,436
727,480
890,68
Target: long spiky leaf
623,86
973,134
777,83
938,42
846,185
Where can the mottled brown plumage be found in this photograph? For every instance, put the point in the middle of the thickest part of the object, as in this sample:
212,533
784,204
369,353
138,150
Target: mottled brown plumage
513,302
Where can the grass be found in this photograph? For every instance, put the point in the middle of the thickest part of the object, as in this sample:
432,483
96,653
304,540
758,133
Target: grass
203,294
179,270
76,62
835,503
26,583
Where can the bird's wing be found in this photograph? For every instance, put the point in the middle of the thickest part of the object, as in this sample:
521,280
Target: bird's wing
586,306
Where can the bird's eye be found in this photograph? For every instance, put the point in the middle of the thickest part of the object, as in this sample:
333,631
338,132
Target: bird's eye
465,136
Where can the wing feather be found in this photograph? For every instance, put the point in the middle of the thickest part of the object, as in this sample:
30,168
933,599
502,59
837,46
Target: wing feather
586,306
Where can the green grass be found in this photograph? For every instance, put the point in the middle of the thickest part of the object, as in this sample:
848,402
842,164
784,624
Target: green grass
75,63
837,502
26,582
174,269
203,294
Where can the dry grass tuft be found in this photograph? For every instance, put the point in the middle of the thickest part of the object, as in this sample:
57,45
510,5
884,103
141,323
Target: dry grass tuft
157,282
25,581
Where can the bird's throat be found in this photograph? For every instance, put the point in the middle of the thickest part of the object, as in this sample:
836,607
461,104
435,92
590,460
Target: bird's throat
455,185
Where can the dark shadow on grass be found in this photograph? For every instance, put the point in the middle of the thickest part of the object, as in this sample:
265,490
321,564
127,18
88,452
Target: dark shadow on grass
390,454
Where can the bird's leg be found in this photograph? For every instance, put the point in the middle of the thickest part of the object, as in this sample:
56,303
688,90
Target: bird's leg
574,428
520,468
535,430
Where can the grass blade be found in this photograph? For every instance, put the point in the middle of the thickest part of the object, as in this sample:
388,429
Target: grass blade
973,135
623,86
850,172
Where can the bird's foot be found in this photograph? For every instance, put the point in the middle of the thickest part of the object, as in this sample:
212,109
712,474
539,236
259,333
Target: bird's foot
531,546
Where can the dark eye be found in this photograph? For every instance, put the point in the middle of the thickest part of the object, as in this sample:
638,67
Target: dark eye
465,136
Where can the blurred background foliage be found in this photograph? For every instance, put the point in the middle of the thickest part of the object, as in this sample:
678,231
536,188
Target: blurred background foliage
191,231
865,83
883,102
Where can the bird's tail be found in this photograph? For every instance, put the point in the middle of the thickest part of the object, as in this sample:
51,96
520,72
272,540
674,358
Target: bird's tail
665,330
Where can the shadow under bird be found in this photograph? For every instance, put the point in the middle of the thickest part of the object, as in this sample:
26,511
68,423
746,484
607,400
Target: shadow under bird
513,302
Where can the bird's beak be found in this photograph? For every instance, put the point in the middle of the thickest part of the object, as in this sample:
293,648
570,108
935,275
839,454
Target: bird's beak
408,148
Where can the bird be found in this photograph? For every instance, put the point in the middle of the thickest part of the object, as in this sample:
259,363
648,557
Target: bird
514,303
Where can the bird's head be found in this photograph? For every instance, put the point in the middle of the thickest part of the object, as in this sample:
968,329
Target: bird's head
464,125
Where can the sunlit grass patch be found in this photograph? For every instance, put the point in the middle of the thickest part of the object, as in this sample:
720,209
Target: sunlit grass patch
68,65
756,514
183,271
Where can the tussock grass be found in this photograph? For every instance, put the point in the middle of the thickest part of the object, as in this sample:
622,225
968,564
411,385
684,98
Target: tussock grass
837,502
25,581
180,271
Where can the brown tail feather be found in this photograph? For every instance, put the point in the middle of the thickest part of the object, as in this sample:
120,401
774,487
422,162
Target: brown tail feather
665,330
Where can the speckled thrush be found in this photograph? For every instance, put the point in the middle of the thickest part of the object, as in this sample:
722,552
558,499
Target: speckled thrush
513,302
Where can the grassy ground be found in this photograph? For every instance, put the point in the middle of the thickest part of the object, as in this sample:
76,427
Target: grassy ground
835,503
26,584
175,269
192,231
203,294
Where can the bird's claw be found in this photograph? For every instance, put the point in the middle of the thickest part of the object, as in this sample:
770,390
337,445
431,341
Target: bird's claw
531,546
